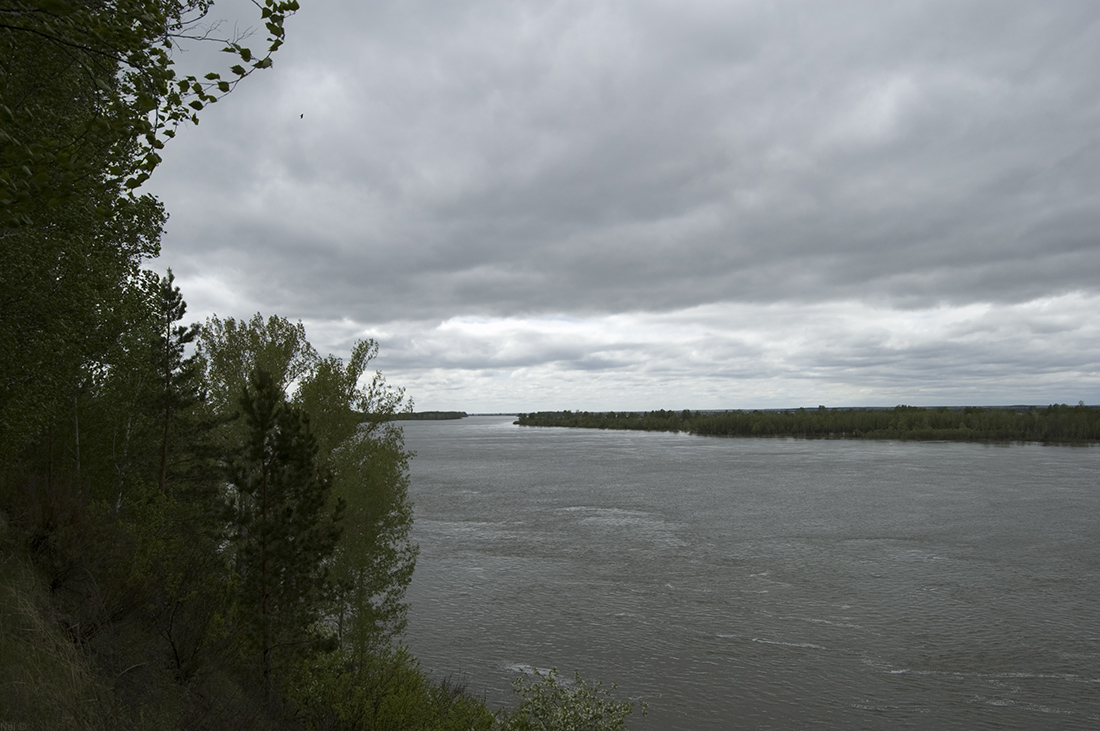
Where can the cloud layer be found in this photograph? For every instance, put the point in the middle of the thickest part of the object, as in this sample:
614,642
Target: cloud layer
653,204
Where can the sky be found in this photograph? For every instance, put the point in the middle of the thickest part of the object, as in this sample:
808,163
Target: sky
633,204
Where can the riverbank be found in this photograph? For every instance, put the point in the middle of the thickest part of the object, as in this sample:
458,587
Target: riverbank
1058,424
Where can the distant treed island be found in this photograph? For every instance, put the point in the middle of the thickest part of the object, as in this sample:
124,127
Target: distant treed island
1057,423
429,416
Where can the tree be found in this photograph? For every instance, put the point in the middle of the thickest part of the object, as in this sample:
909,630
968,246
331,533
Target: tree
284,530
358,443
232,349
375,561
117,59
365,450
64,291
177,374
88,97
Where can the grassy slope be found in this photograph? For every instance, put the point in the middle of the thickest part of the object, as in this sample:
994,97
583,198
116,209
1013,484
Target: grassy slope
45,681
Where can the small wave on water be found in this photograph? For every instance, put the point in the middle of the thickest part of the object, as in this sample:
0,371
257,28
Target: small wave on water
642,525
1054,710
478,530
766,578
458,527
830,622
804,645
525,669
979,675
878,708
519,667
628,615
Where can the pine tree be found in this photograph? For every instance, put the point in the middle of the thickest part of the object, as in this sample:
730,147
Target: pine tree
285,528
178,376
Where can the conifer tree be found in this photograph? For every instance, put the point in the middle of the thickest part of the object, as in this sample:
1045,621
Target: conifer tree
178,384
285,529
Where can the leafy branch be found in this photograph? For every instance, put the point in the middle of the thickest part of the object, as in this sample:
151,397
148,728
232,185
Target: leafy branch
124,75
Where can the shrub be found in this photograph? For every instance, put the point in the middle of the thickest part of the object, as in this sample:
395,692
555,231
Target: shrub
553,704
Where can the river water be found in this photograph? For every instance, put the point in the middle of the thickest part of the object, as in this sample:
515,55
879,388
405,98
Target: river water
763,584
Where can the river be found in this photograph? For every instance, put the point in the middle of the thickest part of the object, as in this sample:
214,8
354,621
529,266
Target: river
759,583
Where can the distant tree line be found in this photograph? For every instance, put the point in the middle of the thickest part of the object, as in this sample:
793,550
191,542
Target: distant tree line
1057,423
429,415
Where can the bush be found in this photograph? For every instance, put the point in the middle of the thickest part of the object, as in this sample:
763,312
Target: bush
552,704
386,690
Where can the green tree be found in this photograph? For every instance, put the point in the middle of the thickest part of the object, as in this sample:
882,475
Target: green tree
193,588
178,387
284,530
358,443
116,59
366,452
231,349
88,96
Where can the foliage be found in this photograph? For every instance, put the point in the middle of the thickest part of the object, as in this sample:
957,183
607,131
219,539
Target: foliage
375,564
1055,423
88,96
386,690
357,444
68,290
550,703
232,349
284,531
177,386
431,416
366,452
116,57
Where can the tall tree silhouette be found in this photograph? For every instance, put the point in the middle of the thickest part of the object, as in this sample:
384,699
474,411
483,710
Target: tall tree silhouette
285,527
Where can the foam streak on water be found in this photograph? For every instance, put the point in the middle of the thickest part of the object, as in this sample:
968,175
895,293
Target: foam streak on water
764,584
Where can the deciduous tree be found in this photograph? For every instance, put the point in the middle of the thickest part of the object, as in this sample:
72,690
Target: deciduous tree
366,451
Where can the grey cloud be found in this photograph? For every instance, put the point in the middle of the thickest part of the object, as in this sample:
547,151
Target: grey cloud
590,158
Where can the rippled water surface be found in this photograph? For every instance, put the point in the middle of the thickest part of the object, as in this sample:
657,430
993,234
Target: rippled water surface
763,584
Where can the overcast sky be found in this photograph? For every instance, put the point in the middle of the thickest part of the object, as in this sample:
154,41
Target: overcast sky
640,204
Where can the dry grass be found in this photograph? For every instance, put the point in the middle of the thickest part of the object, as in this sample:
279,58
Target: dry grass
45,682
